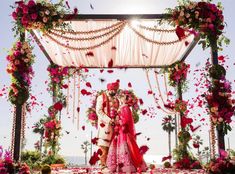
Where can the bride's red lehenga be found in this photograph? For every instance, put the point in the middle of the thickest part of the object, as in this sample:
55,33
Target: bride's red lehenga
124,154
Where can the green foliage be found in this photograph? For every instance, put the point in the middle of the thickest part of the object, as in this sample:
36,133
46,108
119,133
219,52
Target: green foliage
32,159
168,123
53,159
167,164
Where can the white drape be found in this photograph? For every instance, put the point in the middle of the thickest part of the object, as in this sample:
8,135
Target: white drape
126,49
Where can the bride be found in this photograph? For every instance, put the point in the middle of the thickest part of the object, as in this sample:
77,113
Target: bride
124,155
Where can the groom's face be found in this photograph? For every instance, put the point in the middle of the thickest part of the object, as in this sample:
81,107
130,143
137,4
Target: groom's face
112,93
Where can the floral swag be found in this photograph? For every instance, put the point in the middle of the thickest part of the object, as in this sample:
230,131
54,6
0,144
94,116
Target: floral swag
132,102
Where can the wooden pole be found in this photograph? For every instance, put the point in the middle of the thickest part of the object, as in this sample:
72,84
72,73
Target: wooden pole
180,97
214,60
18,120
176,131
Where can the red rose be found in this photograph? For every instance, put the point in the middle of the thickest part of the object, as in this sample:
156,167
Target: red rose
180,32
58,106
25,10
14,15
31,3
34,16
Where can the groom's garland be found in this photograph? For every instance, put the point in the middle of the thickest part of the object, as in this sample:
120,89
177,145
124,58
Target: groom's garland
132,102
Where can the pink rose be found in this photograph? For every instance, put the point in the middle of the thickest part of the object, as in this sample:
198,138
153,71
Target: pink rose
19,45
211,27
17,53
92,116
34,16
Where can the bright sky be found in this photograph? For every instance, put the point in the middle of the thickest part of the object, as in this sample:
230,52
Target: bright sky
150,127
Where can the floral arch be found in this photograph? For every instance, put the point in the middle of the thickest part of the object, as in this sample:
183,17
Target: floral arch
75,42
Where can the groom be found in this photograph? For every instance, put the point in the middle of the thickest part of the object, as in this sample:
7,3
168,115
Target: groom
106,109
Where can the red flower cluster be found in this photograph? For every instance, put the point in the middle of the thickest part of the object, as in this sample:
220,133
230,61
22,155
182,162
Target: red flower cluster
20,68
37,15
180,105
178,73
52,132
187,163
204,17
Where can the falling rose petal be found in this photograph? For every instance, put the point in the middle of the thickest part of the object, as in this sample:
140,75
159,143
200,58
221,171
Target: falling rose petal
113,48
110,71
166,158
144,111
67,3
102,70
137,134
180,32
143,149
94,158
203,119
90,54
83,127
86,70
84,92
221,58
102,125
110,64
88,84
169,93
150,92
78,109
94,140
118,80
186,43
141,101
194,129
148,139
102,80
129,85
65,86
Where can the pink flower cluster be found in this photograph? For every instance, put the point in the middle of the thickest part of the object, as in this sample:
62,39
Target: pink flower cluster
52,130
7,165
221,165
187,163
178,73
20,68
204,17
220,104
36,15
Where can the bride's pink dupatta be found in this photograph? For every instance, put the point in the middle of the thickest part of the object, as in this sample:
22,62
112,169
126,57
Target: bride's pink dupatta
129,130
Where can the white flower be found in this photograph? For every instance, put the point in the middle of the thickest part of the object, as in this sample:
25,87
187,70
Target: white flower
47,12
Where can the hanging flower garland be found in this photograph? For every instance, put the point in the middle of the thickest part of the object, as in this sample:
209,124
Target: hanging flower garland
220,104
203,17
178,73
132,103
20,68
41,15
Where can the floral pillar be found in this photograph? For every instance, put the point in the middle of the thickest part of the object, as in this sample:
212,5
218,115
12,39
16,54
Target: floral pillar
214,60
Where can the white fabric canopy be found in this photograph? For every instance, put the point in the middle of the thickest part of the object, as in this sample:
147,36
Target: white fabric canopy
94,43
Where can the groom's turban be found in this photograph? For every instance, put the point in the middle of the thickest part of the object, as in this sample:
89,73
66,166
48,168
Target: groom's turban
113,86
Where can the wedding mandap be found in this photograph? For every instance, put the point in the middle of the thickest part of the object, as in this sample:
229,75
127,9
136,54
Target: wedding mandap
74,43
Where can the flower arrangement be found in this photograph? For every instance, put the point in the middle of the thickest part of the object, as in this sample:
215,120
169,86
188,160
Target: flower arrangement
41,15
8,166
204,17
180,105
220,104
52,134
220,166
20,68
132,102
178,73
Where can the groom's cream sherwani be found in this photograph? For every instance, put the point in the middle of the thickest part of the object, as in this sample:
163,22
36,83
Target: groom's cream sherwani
105,130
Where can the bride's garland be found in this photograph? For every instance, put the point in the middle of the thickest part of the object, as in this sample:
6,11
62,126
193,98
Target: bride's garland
132,102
